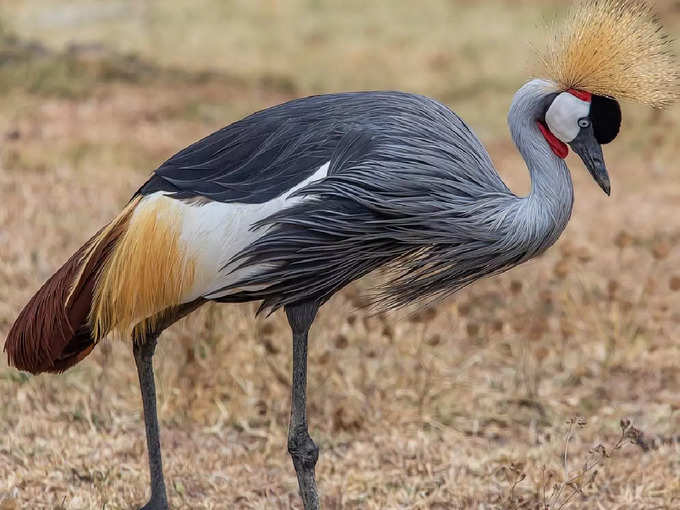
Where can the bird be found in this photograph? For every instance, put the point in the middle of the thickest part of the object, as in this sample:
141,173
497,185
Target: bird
288,205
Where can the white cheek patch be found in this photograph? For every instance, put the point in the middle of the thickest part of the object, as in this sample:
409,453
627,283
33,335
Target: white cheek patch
563,115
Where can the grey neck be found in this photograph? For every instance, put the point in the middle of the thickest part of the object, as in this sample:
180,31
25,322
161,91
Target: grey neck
542,215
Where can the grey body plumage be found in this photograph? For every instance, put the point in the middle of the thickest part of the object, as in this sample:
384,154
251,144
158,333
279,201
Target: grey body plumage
410,188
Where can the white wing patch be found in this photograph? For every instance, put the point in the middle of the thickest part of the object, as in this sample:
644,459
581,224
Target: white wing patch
563,115
214,232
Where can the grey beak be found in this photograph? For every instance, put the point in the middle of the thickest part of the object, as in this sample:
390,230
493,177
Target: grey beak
590,151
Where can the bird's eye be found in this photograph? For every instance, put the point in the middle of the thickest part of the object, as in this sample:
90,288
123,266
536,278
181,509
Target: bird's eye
583,123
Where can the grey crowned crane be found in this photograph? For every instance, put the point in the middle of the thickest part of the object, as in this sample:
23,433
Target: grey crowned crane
292,203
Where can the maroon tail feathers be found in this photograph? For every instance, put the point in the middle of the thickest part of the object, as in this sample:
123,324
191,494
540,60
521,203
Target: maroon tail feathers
52,332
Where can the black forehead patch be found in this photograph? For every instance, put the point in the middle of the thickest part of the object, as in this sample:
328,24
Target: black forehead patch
605,114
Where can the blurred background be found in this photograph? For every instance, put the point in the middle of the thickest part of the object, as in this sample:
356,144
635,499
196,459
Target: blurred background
497,398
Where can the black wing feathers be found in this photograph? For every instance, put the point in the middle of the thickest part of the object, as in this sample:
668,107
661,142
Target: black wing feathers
262,156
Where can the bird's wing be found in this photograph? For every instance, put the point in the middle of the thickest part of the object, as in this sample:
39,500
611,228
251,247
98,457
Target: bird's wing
261,156
271,151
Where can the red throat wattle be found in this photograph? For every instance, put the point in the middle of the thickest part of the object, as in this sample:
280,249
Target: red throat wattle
556,145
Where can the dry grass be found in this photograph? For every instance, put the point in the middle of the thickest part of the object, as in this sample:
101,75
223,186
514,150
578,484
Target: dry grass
469,405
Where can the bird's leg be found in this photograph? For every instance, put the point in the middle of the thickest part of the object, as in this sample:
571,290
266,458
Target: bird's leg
143,352
300,446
